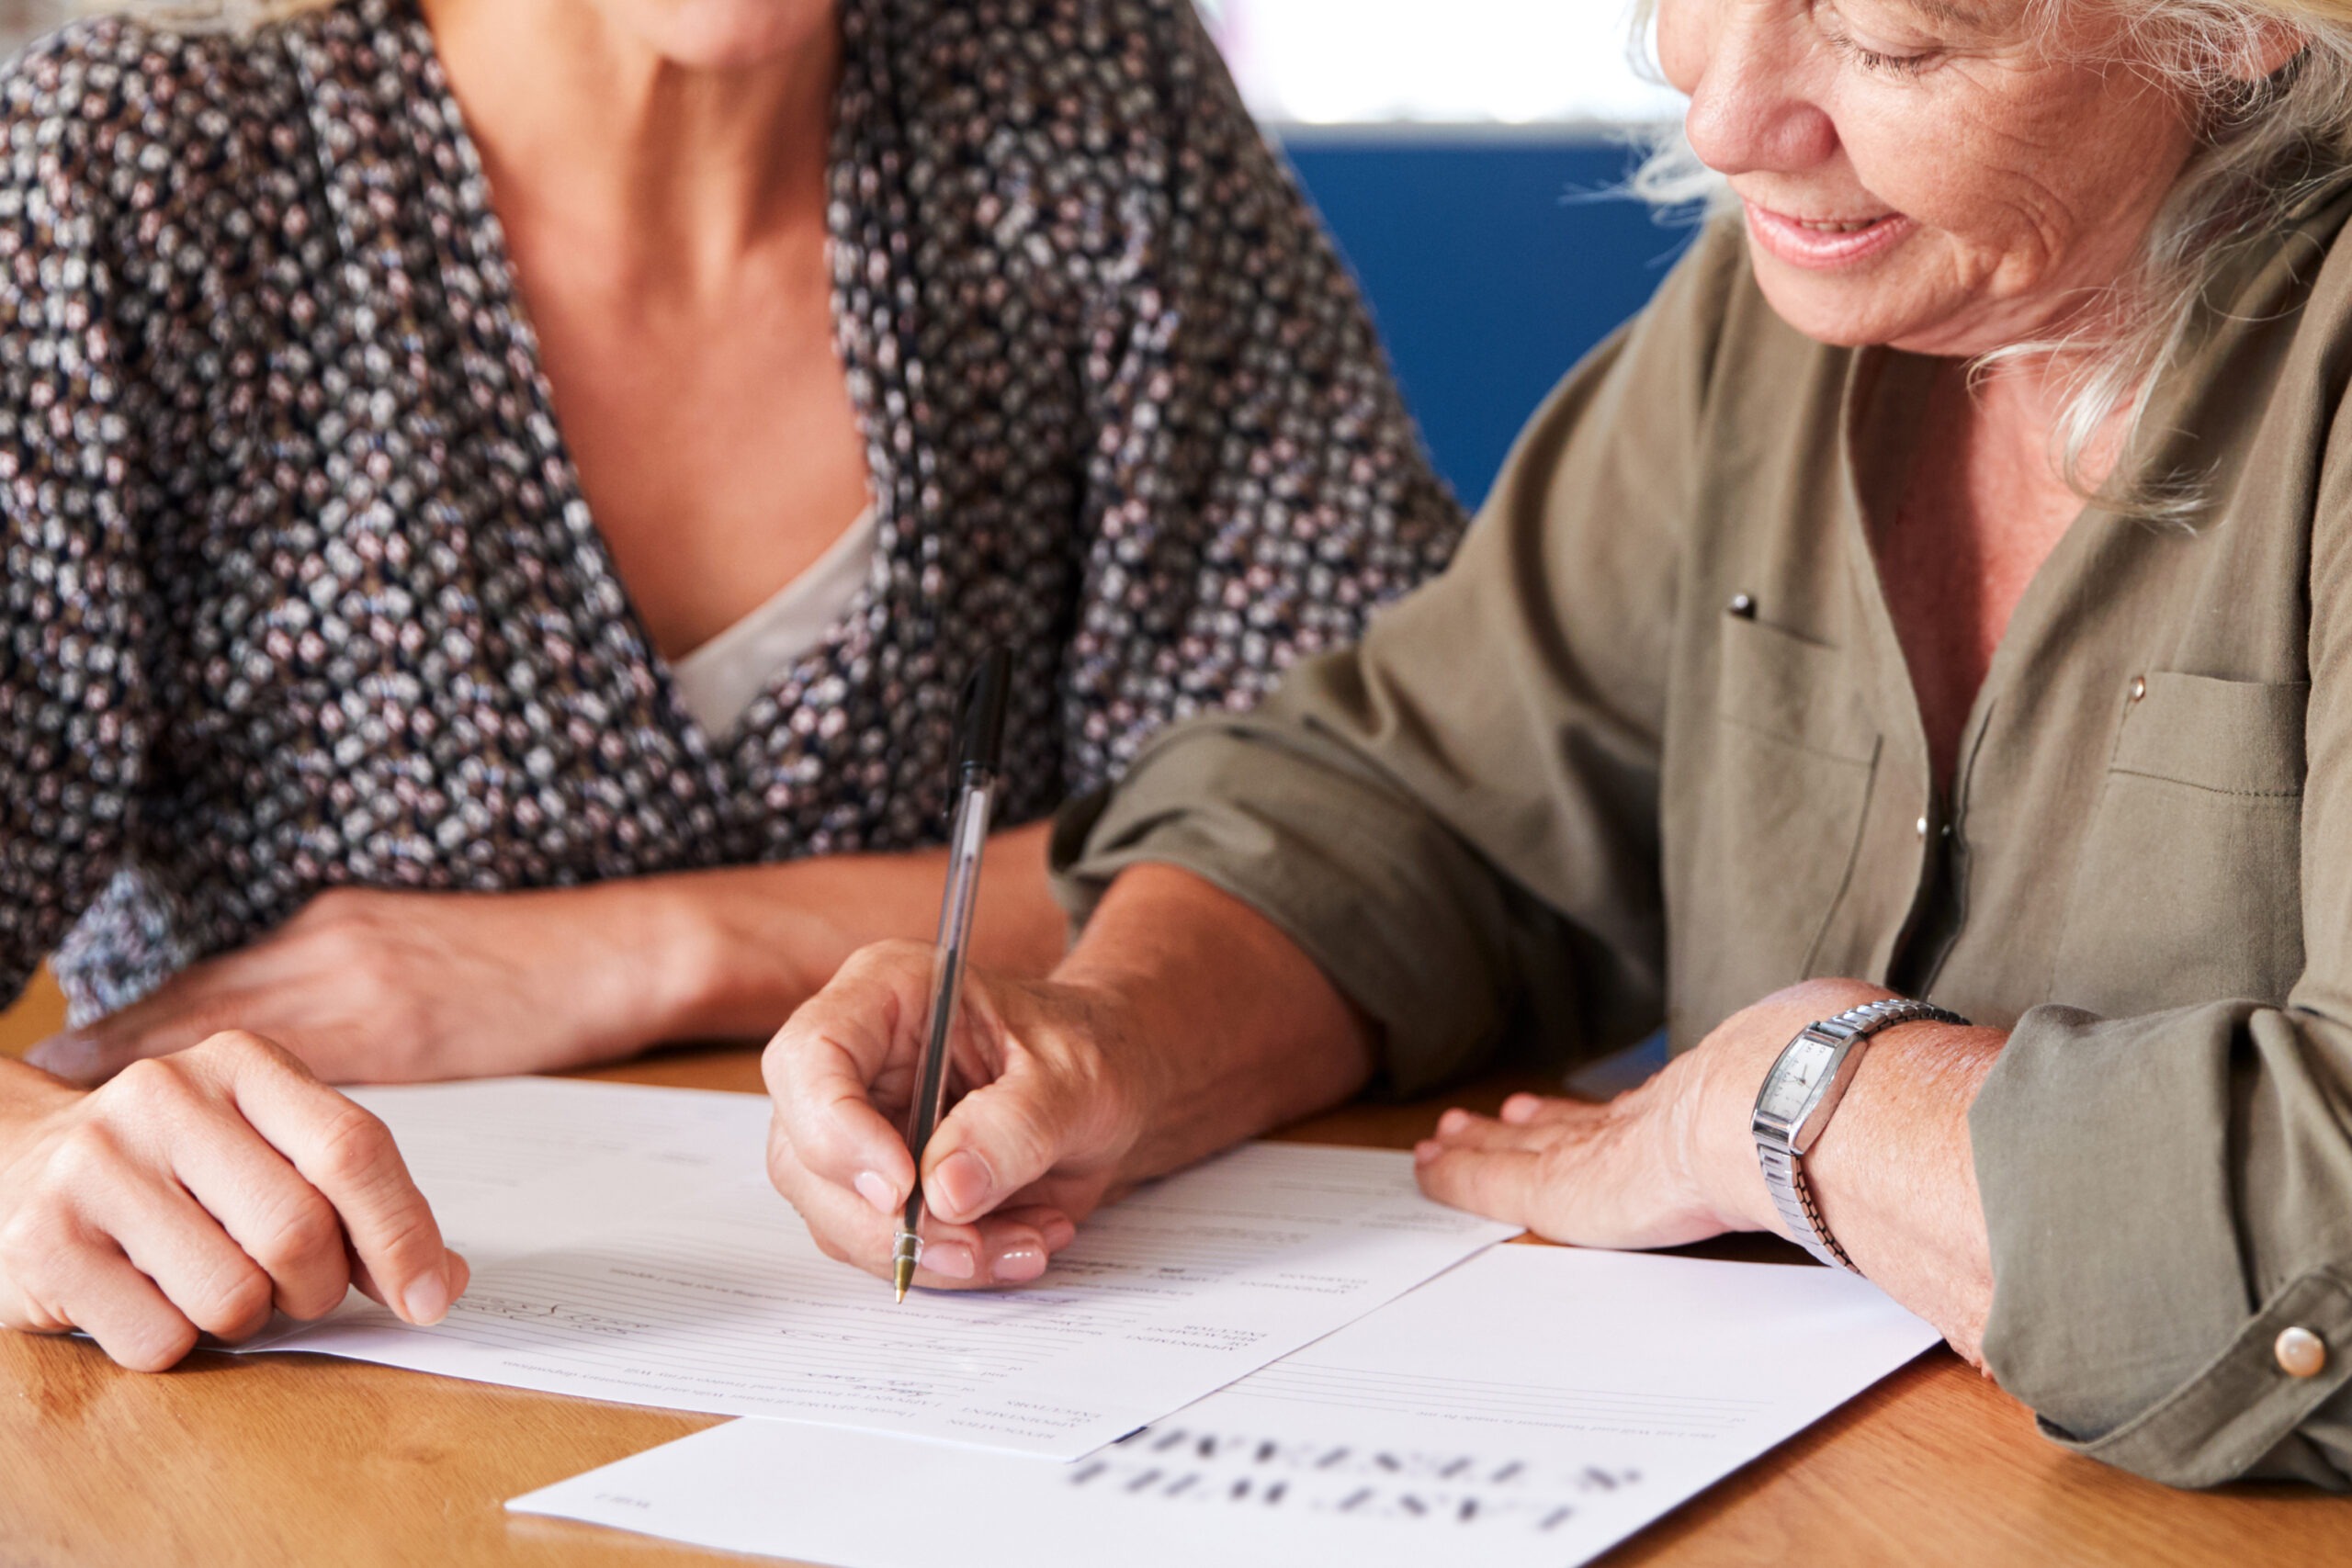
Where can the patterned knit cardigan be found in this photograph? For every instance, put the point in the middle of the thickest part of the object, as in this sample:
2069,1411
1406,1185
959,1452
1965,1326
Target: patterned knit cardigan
300,589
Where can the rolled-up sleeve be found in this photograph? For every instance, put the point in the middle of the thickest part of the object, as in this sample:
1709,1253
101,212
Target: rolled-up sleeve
1458,819
2167,1194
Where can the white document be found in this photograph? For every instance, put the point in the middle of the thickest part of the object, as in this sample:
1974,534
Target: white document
626,1245
1533,1407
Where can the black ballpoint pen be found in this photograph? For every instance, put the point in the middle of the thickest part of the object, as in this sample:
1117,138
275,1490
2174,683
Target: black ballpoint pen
979,755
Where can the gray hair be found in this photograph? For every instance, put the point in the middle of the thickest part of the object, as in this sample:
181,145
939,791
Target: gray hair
2263,145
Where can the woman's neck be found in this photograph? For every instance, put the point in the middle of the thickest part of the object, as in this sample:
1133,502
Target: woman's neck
1978,504
672,173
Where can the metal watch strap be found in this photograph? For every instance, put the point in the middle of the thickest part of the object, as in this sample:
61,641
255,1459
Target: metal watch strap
1784,1167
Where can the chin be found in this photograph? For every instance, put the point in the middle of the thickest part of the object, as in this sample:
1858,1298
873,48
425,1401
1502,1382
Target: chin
1843,314
721,34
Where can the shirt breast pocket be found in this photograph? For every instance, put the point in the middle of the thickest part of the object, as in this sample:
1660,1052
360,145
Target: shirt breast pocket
1788,788
2189,885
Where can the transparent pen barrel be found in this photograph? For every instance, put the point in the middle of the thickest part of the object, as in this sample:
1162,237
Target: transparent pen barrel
970,832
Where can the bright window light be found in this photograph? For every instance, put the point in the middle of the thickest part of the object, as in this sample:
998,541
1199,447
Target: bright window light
1473,62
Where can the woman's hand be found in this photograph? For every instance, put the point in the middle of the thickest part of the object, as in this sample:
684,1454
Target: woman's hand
1674,1161
1667,1163
1182,1022
372,986
1031,1148
384,987
196,1193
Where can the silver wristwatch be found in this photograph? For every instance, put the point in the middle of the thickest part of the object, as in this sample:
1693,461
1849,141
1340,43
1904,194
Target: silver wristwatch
1798,1097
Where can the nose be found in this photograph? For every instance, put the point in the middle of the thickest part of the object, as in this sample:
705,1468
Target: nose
1749,75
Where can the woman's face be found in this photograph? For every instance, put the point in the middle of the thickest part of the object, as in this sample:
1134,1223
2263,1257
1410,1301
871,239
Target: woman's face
721,34
1929,174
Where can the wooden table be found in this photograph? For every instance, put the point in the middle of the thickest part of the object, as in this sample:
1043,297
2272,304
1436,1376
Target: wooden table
303,1458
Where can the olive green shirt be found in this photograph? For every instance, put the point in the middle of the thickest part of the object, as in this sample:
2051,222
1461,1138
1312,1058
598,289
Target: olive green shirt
1650,751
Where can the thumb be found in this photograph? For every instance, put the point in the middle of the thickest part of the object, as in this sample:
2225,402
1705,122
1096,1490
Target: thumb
188,1010
1001,1137
90,1056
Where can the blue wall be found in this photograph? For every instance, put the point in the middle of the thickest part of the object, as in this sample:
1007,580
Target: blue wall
1491,265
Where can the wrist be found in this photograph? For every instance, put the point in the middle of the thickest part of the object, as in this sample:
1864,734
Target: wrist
1731,1178
1216,1026
1741,1054
729,960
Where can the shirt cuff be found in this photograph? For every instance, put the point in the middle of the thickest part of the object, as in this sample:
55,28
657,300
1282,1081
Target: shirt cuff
2236,1414
2122,1308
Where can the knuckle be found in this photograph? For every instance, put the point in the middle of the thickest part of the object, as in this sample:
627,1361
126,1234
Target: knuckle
405,1237
354,1146
786,1166
234,1049
33,1239
151,1081
306,1230
86,1159
240,1298
1026,1136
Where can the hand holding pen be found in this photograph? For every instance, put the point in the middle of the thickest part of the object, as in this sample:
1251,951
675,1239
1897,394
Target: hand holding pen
1027,1149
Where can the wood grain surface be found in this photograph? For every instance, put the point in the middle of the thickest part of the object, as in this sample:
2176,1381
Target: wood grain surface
303,1459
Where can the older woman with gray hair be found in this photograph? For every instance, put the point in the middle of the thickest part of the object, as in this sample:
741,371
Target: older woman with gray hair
1912,663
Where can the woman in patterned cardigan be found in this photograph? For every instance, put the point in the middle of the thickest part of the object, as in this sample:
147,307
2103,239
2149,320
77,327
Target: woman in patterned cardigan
498,500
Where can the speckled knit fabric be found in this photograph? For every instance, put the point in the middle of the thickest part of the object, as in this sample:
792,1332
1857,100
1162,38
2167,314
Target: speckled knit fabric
300,589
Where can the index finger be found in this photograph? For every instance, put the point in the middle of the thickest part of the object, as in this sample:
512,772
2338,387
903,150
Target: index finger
350,1158
825,1066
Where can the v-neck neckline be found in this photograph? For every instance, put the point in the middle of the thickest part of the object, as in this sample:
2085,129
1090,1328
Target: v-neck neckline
1882,381
493,264
2157,448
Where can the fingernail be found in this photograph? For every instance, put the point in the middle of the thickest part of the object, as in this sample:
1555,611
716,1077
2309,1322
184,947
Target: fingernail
950,1260
1452,1121
427,1301
1017,1265
1519,1106
963,1180
1426,1150
877,1192
1057,1231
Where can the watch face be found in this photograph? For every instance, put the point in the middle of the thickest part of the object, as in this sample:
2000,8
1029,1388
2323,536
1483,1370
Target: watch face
1789,1089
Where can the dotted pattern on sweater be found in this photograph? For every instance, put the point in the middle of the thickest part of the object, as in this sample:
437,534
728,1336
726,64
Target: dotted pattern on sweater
300,590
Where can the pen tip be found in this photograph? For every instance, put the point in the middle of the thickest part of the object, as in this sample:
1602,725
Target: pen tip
903,1276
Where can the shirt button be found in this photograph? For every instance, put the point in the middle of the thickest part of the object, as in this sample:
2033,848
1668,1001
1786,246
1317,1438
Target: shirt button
2139,687
2301,1353
1922,825
1741,605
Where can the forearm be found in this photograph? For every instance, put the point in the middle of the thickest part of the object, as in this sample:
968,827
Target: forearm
1896,1180
1219,1025
753,943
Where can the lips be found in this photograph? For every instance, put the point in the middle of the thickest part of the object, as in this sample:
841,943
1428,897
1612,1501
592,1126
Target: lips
1824,240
